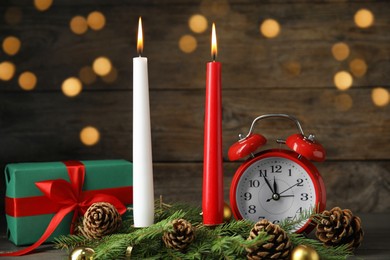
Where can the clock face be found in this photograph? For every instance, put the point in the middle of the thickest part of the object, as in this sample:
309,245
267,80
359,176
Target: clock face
275,188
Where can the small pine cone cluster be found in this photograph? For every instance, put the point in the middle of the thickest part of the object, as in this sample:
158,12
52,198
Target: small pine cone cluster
278,245
181,235
101,219
339,227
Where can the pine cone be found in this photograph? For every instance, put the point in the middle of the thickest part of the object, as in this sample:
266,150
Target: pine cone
181,236
101,219
340,227
278,245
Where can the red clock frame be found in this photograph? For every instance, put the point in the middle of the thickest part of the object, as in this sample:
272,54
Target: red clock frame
312,171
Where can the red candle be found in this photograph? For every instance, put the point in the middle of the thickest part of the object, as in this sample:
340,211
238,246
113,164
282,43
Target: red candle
212,201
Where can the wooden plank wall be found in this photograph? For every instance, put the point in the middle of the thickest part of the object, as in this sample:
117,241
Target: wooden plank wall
260,76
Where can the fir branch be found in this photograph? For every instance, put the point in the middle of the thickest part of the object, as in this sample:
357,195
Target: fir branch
234,246
233,228
289,225
70,241
226,241
114,246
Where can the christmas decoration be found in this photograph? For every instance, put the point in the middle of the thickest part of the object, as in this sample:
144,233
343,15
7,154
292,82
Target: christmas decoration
303,252
82,253
181,235
277,184
30,201
101,219
339,227
226,241
277,245
227,213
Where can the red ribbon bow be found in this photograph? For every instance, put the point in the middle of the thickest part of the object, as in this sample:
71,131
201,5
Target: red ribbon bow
68,196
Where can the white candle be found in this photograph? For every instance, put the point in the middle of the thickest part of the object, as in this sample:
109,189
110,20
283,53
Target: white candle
143,191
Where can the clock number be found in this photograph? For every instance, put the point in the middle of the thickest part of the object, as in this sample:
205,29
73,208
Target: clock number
304,196
261,217
299,210
247,196
263,173
252,209
300,181
289,172
254,183
276,221
276,168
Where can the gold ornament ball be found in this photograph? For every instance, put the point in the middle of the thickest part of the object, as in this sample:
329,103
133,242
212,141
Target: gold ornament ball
303,252
81,253
227,212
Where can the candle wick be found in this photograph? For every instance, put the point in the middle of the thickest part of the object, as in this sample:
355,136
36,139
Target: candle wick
214,57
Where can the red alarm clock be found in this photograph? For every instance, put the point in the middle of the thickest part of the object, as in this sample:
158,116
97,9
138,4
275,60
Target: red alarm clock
277,184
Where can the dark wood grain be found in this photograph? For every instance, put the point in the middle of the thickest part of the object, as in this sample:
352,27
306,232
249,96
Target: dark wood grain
44,125
309,30
359,186
47,125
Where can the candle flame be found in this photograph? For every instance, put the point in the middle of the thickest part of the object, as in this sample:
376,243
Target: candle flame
214,49
140,40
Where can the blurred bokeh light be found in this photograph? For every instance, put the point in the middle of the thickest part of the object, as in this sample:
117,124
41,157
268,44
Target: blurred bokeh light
27,80
364,18
343,80
71,87
198,23
270,28
89,135
7,70
187,43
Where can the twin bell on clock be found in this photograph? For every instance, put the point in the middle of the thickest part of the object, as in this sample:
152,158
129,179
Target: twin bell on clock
277,184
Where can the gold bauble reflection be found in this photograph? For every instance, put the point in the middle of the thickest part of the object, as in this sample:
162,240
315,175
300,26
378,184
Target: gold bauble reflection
129,250
227,212
303,252
81,253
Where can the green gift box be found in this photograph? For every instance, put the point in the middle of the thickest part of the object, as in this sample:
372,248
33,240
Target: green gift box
29,211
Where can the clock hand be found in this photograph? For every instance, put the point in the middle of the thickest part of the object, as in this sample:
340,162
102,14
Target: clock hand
289,188
272,198
275,187
268,184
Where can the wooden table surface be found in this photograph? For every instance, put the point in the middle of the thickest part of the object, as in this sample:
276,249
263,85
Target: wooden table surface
376,243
